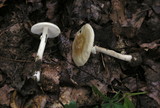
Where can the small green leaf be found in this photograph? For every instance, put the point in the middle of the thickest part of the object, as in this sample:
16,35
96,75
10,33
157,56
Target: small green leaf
107,105
116,96
97,92
112,105
116,105
96,107
72,104
134,94
128,103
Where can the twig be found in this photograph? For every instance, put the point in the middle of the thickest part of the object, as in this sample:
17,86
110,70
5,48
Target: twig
8,59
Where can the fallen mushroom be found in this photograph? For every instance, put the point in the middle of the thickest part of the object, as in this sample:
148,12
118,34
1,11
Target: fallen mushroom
48,30
83,46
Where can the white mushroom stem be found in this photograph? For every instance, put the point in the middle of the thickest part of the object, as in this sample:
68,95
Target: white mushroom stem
112,53
42,44
41,51
37,75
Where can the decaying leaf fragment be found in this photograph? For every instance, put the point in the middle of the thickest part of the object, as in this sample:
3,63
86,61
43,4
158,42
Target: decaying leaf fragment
2,3
151,45
117,14
5,95
37,102
79,95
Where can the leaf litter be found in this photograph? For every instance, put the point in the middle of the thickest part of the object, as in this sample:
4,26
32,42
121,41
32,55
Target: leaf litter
122,25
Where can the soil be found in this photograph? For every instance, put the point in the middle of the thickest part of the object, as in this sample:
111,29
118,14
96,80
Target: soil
126,26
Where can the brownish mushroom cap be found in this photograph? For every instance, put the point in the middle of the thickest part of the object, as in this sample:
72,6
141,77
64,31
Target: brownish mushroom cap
82,45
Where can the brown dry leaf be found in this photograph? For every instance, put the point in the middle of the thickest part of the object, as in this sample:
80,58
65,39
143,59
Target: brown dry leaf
91,10
132,84
65,47
136,23
14,100
111,73
37,102
56,105
15,28
33,1
5,95
2,3
65,95
154,91
1,78
50,77
118,11
151,45
152,75
79,95
156,6
99,85
51,9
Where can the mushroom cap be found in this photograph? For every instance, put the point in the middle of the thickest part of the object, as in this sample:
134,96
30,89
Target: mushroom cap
82,45
53,30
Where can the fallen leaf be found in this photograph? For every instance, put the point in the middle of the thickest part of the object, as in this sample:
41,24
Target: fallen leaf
33,1
118,12
38,101
2,3
152,75
50,77
51,6
99,85
5,95
56,105
79,95
151,45
14,100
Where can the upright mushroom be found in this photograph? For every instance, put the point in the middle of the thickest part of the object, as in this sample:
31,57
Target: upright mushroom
83,46
48,30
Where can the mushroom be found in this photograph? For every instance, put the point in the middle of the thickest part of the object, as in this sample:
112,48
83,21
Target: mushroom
48,30
83,46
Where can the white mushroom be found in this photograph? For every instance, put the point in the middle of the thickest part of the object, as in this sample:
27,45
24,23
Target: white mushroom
83,46
48,30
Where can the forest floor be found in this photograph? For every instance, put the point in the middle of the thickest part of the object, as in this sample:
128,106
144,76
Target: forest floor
126,26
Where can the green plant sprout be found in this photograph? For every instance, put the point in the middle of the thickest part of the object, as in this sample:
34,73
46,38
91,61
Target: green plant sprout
72,104
115,101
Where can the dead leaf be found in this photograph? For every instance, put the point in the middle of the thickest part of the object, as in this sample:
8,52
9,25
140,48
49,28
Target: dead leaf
33,1
2,3
37,102
99,85
14,100
1,78
50,77
132,84
51,6
110,73
136,20
5,95
65,93
118,12
79,95
56,105
15,28
152,75
154,91
152,45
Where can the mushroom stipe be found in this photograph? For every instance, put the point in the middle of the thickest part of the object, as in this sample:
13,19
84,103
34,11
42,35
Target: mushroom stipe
83,46
48,30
